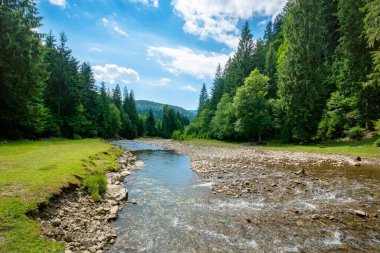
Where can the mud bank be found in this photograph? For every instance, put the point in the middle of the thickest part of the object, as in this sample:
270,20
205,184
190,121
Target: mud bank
83,225
313,202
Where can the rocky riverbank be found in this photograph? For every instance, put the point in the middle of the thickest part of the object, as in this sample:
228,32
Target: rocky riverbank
316,202
82,224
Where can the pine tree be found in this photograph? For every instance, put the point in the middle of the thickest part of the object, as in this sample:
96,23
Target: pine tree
217,88
150,124
116,96
22,71
302,68
203,98
104,112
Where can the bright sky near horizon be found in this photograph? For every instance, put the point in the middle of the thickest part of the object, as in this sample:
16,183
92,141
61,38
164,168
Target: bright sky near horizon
164,50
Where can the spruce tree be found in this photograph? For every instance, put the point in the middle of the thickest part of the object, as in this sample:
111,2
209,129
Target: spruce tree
116,96
150,124
22,71
302,68
203,98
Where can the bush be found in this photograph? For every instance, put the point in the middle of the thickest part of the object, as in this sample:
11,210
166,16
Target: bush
177,135
377,126
95,185
355,132
377,143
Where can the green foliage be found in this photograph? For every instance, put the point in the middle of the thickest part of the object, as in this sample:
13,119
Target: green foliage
22,71
178,136
114,121
377,126
203,98
301,68
222,124
150,125
95,185
377,143
252,107
355,133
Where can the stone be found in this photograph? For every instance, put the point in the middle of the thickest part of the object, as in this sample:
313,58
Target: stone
315,217
116,192
56,222
301,172
360,213
92,249
358,159
68,251
114,210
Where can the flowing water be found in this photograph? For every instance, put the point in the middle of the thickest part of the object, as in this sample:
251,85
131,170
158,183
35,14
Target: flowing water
177,212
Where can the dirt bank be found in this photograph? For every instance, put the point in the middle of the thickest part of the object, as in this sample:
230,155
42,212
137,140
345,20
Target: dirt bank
315,202
82,224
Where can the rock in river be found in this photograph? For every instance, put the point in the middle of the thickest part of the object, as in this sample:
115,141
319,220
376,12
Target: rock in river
116,192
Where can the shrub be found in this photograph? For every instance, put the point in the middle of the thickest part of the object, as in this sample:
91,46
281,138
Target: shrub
95,185
377,143
177,135
377,126
355,132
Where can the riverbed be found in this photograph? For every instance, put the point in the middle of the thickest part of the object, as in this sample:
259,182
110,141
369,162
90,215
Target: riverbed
197,199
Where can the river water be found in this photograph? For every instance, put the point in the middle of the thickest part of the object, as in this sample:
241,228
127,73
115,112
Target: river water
176,211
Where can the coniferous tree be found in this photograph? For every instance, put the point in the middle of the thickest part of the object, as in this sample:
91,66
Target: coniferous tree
302,68
150,125
22,71
203,98
116,96
217,88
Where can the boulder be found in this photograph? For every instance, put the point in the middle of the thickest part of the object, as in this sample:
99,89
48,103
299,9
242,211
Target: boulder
116,192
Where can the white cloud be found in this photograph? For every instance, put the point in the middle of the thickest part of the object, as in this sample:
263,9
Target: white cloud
114,26
61,3
188,88
182,60
112,73
95,49
218,19
153,3
164,81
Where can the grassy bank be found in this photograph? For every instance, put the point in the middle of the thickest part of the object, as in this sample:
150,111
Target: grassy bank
364,148
31,172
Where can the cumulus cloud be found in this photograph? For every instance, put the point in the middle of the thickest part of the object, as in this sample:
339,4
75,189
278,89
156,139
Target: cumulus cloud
153,3
112,73
218,19
113,26
61,3
188,88
182,60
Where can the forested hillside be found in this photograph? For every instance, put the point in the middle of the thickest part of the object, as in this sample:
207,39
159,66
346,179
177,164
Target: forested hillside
315,75
46,92
143,107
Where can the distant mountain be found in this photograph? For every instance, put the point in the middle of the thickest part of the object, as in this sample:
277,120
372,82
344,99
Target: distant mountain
143,107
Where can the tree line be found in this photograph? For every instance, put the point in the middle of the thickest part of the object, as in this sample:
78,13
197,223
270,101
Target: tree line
315,75
46,92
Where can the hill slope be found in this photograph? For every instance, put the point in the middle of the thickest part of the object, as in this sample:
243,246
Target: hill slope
143,107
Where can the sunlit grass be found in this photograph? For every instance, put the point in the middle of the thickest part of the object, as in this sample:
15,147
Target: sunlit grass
31,172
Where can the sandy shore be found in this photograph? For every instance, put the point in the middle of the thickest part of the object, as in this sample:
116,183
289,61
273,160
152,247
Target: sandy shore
306,198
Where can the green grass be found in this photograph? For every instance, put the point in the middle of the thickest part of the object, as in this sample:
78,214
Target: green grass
33,171
364,148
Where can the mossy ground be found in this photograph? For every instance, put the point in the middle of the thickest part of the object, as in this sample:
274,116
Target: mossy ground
33,171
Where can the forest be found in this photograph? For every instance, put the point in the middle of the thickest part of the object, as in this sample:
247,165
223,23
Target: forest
315,75
46,92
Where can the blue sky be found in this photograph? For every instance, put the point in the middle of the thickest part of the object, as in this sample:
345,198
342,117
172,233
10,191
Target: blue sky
164,50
